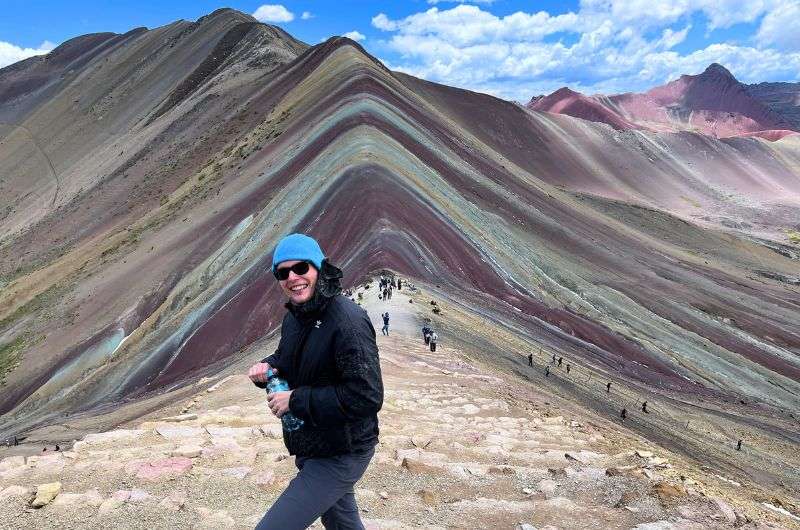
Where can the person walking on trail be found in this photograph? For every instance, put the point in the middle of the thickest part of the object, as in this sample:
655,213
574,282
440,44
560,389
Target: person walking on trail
568,368
644,407
426,334
554,358
329,357
530,359
433,339
385,328
608,388
547,371
390,293
560,360
399,284
623,414
739,445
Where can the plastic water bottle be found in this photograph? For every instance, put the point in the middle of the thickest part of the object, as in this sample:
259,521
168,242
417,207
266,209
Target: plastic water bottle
276,384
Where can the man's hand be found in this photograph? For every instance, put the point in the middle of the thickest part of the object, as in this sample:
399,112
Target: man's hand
279,402
258,372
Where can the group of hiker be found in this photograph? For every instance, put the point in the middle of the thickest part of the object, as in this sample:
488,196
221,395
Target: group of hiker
387,285
430,336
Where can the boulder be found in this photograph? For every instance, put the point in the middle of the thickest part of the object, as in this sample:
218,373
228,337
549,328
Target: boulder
667,492
11,462
14,491
156,469
174,501
725,510
236,472
46,493
264,479
90,498
548,488
109,505
416,466
115,436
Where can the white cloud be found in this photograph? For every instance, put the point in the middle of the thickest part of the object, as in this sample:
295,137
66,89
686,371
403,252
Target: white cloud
10,53
434,2
606,46
306,15
355,35
781,27
273,13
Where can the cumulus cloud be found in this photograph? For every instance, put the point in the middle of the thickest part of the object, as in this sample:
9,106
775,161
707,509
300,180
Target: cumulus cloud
10,53
355,35
434,2
273,13
604,46
306,15
781,27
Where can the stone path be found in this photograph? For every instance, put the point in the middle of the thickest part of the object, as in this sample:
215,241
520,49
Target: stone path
459,449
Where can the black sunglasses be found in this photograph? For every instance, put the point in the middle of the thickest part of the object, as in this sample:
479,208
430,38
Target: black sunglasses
299,268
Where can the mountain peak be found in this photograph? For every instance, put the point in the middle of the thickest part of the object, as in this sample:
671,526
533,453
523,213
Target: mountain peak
717,70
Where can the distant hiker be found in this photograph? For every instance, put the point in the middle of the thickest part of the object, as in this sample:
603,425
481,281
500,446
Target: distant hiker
560,360
623,414
426,334
328,355
58,448
385,328
644,408
568,367
530,359
608,388
399,284
547,371
739,445
390,293
385,294
554,358
433,339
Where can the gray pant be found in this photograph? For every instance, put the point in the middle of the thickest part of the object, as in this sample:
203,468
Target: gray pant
323,487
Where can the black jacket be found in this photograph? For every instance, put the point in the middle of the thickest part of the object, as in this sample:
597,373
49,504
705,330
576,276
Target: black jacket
328,355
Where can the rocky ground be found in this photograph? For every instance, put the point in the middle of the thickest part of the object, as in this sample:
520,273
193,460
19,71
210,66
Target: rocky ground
460,448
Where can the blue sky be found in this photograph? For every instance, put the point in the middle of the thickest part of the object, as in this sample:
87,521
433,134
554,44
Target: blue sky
510,48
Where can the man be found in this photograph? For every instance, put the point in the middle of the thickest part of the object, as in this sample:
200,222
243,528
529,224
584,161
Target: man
328,355
385,328
530,359
433,339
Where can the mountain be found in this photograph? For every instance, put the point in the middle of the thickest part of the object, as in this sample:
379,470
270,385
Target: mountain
712,102
147,177
782,98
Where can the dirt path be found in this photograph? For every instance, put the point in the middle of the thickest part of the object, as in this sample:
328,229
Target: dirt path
460,448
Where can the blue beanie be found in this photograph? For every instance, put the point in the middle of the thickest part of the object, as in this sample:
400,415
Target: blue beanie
298,247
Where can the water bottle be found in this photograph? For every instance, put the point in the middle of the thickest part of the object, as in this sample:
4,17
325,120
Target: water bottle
276,384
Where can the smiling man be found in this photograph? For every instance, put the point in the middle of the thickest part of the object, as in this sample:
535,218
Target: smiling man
328,355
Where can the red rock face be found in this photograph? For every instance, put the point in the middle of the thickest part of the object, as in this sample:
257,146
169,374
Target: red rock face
566,101
140,262
712,103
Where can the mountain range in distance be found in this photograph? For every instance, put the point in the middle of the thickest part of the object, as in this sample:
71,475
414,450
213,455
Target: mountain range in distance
712,102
